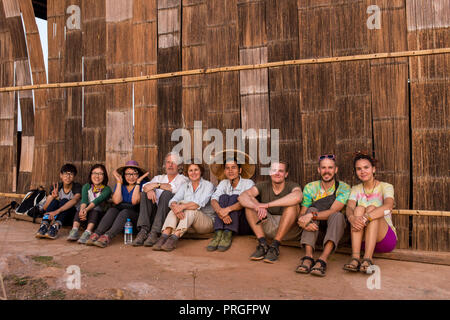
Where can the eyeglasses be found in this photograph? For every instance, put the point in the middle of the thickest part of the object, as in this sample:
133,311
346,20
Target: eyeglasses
327,156
98,174
131,174
68,174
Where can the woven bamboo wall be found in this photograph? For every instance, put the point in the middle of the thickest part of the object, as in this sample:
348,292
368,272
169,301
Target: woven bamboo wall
428,27
94,98
337,107
8,114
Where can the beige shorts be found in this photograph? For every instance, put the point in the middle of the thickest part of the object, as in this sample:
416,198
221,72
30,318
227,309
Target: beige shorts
270,227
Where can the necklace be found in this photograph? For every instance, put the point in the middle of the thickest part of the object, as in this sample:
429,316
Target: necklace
375,185
324,189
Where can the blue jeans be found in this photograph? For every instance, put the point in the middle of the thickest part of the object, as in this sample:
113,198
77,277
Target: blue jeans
239,225
65,218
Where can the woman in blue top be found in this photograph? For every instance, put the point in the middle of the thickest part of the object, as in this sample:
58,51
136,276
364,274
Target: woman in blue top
126,199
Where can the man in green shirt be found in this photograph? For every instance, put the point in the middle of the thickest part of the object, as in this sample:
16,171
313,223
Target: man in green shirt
322,203
272,208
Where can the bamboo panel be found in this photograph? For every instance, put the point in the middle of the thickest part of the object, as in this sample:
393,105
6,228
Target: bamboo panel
39,174
145,60
170,91
17,37
282,30
8,111
119,138
286,117
194,56
430,233
11,8
222,49
72,109
94,99
428,28
283,43
390,107
254,84
392,36
119,98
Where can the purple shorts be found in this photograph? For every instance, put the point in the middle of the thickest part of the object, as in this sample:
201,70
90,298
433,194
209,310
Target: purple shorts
387,244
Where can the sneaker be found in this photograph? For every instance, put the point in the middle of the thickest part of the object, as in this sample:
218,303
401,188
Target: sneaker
260,253
151,239
272,255
42,231
158,245
94,237
84,237
102,242
225,242
170,244
212,246
52,232
140,238
74,235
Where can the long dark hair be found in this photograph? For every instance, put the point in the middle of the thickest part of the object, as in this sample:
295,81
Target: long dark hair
105,173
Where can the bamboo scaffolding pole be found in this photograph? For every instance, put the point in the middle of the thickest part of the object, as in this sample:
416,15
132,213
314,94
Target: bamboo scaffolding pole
375,56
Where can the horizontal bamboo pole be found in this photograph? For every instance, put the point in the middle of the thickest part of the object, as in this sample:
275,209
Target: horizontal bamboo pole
402,54
422,213
396,211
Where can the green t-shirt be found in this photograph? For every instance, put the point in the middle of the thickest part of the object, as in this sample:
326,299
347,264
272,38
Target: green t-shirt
267,195
313,191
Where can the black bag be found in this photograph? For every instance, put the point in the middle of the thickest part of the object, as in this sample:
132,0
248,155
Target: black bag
32,204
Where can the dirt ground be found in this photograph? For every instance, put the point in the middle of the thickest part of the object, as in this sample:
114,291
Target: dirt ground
36,269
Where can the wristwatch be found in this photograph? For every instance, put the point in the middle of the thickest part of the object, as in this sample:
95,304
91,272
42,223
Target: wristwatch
159,186
315,215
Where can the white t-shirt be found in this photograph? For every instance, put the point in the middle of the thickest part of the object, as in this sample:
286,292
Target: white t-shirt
176,183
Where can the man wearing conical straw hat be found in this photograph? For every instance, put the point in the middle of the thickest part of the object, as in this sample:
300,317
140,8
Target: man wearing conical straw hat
272,210
230,214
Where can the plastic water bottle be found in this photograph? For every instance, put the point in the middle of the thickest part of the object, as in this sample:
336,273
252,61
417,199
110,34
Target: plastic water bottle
128,236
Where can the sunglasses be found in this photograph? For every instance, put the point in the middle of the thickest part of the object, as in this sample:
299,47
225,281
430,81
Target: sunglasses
327,156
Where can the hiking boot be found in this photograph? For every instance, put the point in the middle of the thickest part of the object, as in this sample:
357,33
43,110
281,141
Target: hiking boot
42,231
212,246
140,238
151,239
74,235
170,244
84,237
94,237
158,245
225,242
102,242
260,252
272,254
52,233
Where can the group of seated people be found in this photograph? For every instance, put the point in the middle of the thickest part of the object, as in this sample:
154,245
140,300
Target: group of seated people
167,207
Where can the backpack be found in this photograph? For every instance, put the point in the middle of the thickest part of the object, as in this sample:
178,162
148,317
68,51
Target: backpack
33,203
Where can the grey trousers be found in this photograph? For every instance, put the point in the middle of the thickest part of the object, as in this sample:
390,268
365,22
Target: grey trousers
335,226
152,216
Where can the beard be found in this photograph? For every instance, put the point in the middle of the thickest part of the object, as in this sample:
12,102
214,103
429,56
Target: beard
330,178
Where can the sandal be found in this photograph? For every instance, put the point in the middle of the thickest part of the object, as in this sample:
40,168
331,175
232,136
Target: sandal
306,269
365,268
319,271
351,267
